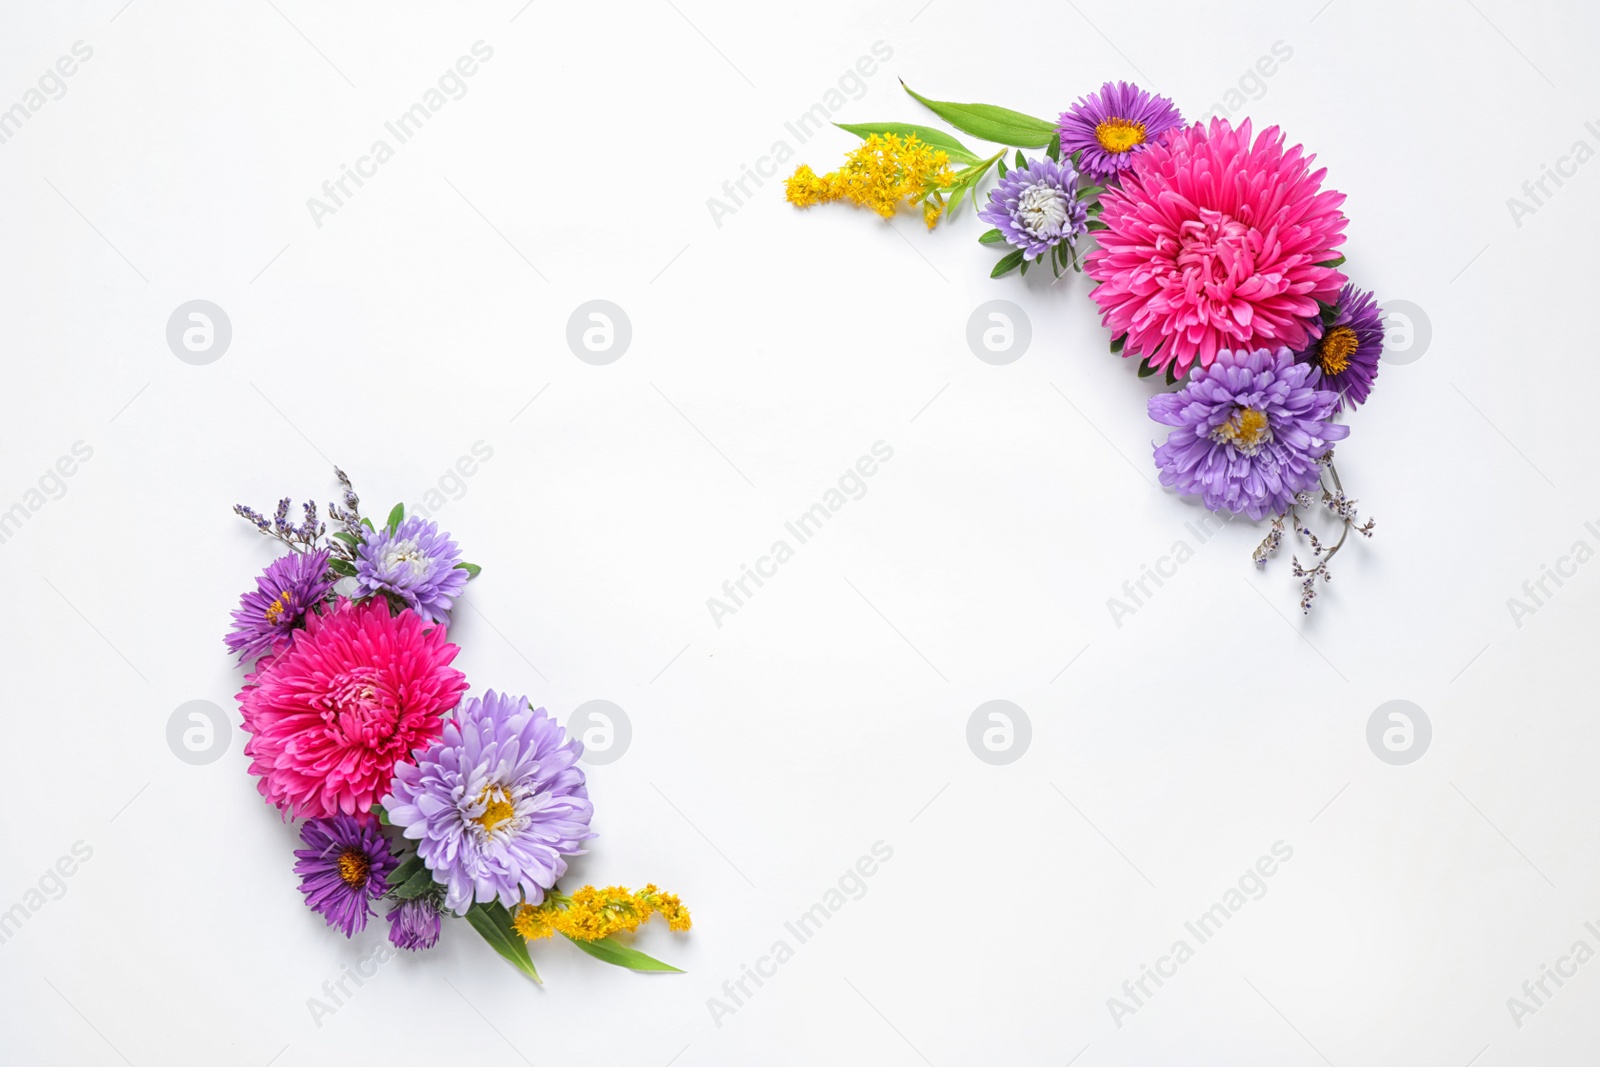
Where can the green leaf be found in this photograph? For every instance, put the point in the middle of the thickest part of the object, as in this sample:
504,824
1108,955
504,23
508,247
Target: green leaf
998,124
620,955
347,537
342,567
1117,343
1022,164
1007,264
1086,191
991,237
472,569
1339,262
1172,373
418,882
395,516
1054,151
1096,224
383,816
368,524
408,867
493,923
953,148
955,199
1002,165
1145,369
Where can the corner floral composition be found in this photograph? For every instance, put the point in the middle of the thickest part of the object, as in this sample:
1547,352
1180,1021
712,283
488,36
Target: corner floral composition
1216,259
413,794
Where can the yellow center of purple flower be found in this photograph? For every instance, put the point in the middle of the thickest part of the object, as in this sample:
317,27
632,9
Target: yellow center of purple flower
1336,348
354,867
1247,431
497,808
1119,135
276,609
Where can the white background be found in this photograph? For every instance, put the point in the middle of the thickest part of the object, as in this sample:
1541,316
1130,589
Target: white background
769,352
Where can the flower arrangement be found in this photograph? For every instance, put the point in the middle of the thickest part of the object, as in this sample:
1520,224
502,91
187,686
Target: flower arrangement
1215,262
411,792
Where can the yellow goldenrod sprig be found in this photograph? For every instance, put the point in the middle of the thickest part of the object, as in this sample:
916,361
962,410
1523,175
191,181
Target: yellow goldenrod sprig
884,170
591,914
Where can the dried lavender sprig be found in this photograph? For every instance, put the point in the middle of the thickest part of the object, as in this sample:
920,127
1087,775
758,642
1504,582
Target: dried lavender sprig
1334,500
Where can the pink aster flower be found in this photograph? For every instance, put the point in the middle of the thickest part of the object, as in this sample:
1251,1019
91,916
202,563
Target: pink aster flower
355,694
1214,242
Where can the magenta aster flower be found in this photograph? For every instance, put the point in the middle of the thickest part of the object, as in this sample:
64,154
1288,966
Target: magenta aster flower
414,924
1248,431
1349,349
1113,126
415,562
495,804
352,696
1214,242
345,868
284,592
1037,207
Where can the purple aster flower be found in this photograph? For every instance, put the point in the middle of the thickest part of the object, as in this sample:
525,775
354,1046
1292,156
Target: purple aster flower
1112,126
1349,349
345,869
414,924
495,803
1249,430
416,562
1037,207
286,590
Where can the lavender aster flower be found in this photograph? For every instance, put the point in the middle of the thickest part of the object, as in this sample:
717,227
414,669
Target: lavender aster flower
345,868
414,924
1112,126
416,562
284,592
1350,347
495,803
1037,207
1249,430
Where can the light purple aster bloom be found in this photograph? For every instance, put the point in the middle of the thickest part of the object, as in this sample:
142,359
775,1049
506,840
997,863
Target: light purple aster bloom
1249,430
1037,207
345,868
414,924
416,562
1349,349
284,592
495,804
1113,126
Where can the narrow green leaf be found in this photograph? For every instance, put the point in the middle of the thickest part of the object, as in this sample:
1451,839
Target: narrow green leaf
368,524
620,955
1145,369
1339,262
1022,164
396,516
998,124
992,237
1117,343
958,152
1054,151
1002,165
417,883
1086,191
493,923
347,537
342,567
472,569
1096,224
1172,373
1025,265
955,199
1007,264
408,867
383,816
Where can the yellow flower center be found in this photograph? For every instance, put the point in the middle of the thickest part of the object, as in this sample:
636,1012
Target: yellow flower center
1246,431
1119,135
354,868
276,609
1338,345
498,808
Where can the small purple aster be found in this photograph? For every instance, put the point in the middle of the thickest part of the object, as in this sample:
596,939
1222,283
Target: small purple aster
495,804
1350,347
1249,431
1114,125
1037,207
286,590
416,562
414,924
345,869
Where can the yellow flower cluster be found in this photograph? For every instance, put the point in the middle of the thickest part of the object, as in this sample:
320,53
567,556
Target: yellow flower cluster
591,914
883,171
